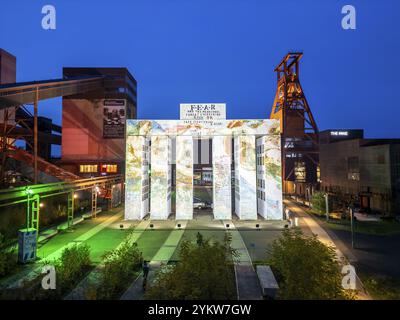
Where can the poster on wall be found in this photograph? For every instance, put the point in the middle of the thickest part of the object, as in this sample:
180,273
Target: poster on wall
114,118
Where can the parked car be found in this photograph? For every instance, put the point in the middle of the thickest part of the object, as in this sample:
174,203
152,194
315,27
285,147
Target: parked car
209,205
198,203
337,214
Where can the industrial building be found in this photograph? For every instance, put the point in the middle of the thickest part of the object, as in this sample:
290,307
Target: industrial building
8,67
365,171
96,102
93,123
300,162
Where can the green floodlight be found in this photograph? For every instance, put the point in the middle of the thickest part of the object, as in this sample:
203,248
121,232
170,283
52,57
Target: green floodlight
28,191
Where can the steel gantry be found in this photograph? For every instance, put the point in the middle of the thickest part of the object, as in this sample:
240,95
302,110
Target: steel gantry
32,195
13,97
298,126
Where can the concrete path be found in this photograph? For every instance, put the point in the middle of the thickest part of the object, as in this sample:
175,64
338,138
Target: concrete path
316,229
163,255
56,254
79,292
247,284
325,238
238,243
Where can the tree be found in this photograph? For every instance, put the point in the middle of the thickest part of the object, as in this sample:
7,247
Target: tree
204,271
72,265
121,266
318,202
8,259
305,268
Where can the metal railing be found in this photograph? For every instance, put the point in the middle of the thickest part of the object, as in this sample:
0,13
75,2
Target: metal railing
20,194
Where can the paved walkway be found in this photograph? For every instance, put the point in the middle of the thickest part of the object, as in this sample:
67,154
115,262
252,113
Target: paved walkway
80,291
238,244
316,229
163,255
324,237
247,284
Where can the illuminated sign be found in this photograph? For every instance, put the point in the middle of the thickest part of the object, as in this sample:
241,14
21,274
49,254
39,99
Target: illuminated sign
202,111
339,133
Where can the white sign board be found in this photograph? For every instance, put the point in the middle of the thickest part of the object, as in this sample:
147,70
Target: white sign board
339,133
202,111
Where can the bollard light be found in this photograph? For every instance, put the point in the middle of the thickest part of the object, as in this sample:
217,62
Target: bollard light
121,226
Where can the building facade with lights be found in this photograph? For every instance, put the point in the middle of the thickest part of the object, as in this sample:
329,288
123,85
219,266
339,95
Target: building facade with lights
93,124
364,171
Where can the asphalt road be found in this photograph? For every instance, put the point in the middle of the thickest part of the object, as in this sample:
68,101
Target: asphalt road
372,253
377,254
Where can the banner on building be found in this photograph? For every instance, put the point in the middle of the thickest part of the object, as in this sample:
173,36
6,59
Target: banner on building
203,111
114,115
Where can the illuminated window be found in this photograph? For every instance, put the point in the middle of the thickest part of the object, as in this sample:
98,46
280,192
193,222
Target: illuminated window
87,168
353,171
109,168
300,171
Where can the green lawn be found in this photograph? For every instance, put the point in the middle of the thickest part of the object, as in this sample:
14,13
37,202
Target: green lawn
191,235
106,240
65,237
151,241
258,242
366,227
384,227
381,287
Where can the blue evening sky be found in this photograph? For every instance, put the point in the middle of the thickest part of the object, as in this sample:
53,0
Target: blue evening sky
221,51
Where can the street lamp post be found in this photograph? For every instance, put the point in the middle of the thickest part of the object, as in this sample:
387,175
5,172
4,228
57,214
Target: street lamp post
327,206
352,226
